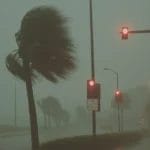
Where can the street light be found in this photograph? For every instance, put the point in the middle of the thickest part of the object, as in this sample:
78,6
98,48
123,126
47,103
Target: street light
117,89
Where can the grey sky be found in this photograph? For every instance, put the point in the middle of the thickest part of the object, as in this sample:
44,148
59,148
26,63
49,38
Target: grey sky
130,58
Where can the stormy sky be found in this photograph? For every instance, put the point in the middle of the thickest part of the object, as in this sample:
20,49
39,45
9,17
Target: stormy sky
130,58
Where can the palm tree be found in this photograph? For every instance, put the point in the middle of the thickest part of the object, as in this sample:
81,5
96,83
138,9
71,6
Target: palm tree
42,107
50,108
44,48
64,117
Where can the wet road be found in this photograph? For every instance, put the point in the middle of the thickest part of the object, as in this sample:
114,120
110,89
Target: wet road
23,142
143,145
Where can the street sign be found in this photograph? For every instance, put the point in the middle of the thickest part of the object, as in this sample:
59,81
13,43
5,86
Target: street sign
93,104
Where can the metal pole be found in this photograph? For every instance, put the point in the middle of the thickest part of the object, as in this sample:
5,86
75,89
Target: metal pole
15,108
92,40
92,63
117,86
119,120
117,80
120,109
122,120
140,31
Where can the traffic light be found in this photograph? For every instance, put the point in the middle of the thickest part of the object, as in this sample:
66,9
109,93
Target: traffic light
93,90
118,96
91,87
124,33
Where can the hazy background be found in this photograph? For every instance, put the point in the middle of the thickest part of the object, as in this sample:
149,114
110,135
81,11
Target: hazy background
129,58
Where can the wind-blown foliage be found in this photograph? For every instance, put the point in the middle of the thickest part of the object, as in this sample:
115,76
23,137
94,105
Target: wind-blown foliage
43,39
15,65
45,48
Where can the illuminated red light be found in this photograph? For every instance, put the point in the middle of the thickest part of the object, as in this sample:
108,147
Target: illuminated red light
125,30
117,92
91,82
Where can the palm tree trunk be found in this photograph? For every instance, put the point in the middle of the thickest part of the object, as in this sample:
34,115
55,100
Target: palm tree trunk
32,109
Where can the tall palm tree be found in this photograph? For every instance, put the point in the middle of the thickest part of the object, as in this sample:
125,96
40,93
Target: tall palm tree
44,48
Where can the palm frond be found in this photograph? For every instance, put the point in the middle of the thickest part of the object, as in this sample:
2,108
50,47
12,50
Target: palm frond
15,66
44,40
52,66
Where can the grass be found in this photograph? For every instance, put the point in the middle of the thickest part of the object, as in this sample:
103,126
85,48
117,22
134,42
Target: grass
99,142
9,128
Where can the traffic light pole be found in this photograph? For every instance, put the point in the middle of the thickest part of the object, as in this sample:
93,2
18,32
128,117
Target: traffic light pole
125,32
126,37
119,126
92,63
92,40
117,88
140,31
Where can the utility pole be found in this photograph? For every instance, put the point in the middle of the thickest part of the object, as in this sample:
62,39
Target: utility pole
92,62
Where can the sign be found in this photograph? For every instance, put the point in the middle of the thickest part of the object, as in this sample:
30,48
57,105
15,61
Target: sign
93,104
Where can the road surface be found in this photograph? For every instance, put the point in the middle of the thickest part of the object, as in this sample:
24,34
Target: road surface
22,141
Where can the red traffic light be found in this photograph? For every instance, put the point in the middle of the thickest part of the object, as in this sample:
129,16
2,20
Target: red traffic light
118,96
124,30
117,93
93,89
91,82
124,33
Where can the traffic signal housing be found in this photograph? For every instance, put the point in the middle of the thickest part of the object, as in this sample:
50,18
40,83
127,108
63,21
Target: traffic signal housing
93,90
124,33
118,96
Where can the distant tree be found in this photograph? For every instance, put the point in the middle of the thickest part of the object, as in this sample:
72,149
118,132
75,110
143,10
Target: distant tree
49,106
39,103
81,114
140,96
45,48
53,112
66,117
61,118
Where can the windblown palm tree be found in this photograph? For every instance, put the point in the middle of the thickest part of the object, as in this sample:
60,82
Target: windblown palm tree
50,107
44,48
53,112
